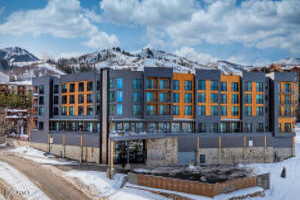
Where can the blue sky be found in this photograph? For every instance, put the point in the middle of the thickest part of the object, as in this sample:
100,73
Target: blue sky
243,31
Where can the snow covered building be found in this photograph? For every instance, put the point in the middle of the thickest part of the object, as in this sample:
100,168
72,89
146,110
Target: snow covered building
161,117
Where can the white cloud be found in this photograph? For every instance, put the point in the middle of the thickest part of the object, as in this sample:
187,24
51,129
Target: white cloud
60,18
194,55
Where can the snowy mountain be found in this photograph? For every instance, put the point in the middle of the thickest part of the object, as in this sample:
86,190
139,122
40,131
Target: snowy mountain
16,54
289,61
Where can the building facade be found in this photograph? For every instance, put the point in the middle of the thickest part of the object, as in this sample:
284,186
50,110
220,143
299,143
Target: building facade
161,117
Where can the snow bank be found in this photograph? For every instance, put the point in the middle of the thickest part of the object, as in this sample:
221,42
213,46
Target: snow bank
20,183
40,157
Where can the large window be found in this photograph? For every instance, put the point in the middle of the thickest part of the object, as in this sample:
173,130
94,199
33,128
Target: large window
287,88
201,111
223,86
248,111
81,87
119,95
188,110
56,89
235,110
41,100
223,110
150,83
214,110
248,98
137,83
163,97
223,98
175,84
214,85
175,110
119,109
235,99
260,111
248,86
90,86
260,127
119,83
55,111
164,84
150,109
188,85
188,98
149,96
176,97
201,84
80,98
136,110
41,89
90,111
63,110
71,111
202,127
259,86
136,97
72,87
64,99
112,96
214,98
80,110
164,110
259,99
247,127
89,98
64,88
201,97
235,86
41,111
72,99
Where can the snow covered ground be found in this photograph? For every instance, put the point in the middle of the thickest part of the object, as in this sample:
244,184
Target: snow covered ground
20,183
40,157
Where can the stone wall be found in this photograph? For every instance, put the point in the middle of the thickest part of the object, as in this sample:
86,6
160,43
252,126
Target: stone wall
87,154
283,153
235,155
162,151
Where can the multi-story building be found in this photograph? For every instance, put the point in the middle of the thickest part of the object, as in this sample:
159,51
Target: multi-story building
162,117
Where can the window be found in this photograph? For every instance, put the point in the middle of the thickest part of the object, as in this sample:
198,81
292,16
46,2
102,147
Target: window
90,86
72,99
248,111
288,127
175,127
201,97
150,110
235,99
164,110
235,110
41,111
260,111
119,96
98,98
150,83
163,84
248,98
201,110
41,126
64,88
287,99
55,111
202,127
287,87
201,84
163,97
89,98
188,98
80,110
202,158
64,99
119,109
111,84
259,86
71,111
137,83
187,127
41,89
41,100
98,85
188,85
214,111
72,87
223,110
223,86
55,100
248,86
81,87
260,127
187,110
112,108
149,96
235,86
214,98
90,110
98,109
112,96
136,110
80,98
259,99
56,89
176,97
248,127
136,97
175,110
214,85
151,127
175,84
119,83
215,127
63,110
223,98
